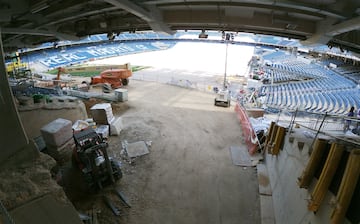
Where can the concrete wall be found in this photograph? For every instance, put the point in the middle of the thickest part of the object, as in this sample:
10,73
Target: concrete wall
12,136
289,201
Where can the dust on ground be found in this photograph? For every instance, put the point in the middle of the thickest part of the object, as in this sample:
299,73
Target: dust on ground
188,176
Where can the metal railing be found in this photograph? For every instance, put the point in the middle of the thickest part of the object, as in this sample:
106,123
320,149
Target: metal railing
341,128
5,215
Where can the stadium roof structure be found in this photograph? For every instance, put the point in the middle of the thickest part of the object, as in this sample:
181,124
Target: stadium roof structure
26,23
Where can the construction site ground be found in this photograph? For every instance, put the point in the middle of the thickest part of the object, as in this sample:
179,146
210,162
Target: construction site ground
188,176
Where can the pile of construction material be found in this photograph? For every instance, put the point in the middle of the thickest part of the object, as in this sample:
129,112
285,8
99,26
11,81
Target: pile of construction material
58,134
102,115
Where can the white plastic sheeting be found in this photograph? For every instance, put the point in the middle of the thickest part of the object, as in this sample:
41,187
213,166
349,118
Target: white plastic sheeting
260,123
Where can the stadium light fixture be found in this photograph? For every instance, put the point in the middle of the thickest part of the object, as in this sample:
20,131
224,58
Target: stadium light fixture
226,55
203,34
111,36
226,37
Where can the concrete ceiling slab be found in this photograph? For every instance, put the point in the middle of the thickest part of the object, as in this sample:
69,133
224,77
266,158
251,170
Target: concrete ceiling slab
69,19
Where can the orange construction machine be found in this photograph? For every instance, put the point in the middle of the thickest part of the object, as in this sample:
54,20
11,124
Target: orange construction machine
115,77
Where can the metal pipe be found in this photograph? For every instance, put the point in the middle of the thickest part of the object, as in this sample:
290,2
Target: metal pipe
6,217
317,133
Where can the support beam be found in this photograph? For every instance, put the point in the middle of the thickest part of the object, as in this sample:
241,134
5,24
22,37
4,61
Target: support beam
320,37
132,8
318,151
310,9
278,141
27,31
64,36
60,36
155,22
347,187
327,174
343,27
326,31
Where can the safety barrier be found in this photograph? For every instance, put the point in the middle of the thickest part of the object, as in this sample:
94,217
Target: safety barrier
248,132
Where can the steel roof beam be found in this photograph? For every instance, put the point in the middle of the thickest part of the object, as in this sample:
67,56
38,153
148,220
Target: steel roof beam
61,36
255,3
343,27
152,18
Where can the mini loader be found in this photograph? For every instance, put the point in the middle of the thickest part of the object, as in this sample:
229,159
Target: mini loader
90,156
222,98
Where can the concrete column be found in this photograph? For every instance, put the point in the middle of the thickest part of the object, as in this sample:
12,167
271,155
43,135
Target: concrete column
12,135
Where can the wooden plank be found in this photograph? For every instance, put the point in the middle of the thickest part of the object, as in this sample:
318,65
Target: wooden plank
327,174
279,139
314,162
347,187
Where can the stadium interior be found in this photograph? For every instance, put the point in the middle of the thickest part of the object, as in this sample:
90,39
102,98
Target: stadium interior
305,70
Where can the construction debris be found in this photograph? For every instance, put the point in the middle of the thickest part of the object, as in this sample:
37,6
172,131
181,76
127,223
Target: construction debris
111,205
121,95
122,197
116,126
135,149
102,130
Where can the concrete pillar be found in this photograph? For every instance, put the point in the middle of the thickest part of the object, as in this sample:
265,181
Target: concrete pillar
12,135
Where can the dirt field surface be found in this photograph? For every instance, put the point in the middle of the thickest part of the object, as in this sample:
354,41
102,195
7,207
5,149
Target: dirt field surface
188,176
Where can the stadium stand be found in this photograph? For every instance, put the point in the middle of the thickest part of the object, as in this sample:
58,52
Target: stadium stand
74,54
312,87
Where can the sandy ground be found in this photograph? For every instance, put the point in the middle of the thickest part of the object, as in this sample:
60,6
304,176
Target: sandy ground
188,176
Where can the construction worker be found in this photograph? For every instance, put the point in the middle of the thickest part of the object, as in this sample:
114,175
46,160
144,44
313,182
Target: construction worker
348,122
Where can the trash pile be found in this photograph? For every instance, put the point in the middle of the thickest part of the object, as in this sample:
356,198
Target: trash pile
103,121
